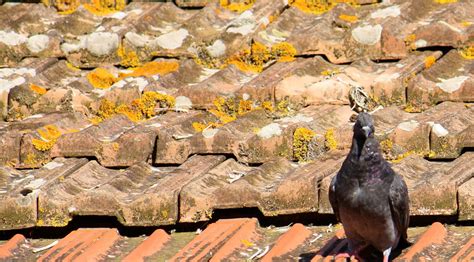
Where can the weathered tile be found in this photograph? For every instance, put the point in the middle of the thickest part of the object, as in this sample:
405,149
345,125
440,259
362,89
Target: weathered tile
466,200
140,195
36,147
449,79
153,244
220,240
434,235
83,244
433,187
6,250
287,242
20,194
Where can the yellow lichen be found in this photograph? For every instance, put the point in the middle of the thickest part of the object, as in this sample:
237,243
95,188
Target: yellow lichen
128,58
38,89
101,78
153,68
105,7
330,72
330,140
198,126
466,23
72,67
445,1
283,52
237,7
49,134
132,113
253,59
115,146
64,7
319,6
268,106
386,146
400,157
244,107
410,108
348,18
301,139
410,41
139,109
467,52
429,61
283,106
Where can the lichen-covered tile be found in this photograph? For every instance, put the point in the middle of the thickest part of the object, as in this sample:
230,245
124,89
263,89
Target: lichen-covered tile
466,200
140,195
89,140
433,186
36,146
19,194
450,79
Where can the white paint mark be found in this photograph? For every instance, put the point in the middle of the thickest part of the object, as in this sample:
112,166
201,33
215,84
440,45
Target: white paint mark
52,165
209,132
408,125
392,11
37,43
137,40
102,43
367,35
171,40
297,119
421,43
439,130
183,103
452,84
12,38
217,48
269,131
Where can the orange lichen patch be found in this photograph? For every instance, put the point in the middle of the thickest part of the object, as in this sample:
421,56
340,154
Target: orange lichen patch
153,68
301,139
38,89
319,6
245,106
105,7
429,61
198,126
467,52
139,109
284,52
445,1
237,7
410,41
348,18
101,78
64,7
128,58
268,106
253,59
49,134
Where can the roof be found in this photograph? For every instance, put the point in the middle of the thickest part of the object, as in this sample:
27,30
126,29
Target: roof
163,114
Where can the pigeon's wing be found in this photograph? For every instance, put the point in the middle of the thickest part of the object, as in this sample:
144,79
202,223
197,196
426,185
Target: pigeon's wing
399,205
332,197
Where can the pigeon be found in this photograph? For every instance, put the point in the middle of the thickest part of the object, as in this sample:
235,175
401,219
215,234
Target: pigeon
368,197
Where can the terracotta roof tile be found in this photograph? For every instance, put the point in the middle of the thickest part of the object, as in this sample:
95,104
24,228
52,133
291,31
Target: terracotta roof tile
6,249
250,107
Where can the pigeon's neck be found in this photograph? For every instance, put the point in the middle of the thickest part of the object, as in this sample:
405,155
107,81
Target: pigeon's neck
357,147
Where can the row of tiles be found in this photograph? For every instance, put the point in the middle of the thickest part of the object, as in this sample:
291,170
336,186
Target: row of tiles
143,195
236,239
343,33
254,137
418,82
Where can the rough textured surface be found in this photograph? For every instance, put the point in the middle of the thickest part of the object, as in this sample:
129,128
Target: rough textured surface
168,113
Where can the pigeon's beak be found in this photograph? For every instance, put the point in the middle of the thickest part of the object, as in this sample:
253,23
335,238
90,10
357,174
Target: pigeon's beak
366,131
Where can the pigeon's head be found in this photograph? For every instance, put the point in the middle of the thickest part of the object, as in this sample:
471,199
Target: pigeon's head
364,126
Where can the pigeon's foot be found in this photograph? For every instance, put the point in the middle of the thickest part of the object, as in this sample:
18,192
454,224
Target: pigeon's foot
386,254
350,256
